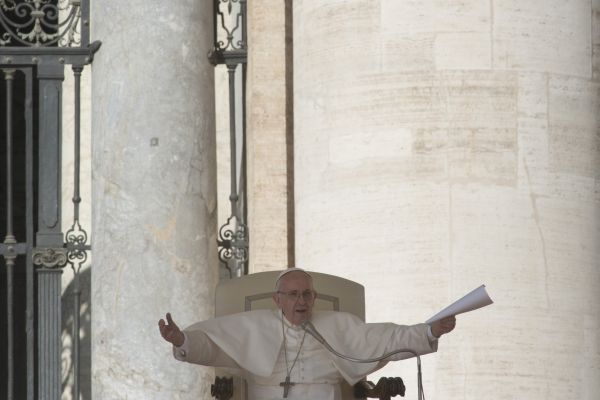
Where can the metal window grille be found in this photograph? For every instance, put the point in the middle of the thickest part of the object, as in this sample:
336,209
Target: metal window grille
231,49
38,38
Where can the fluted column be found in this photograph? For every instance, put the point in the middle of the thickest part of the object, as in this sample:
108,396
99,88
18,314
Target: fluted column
154,211
442,145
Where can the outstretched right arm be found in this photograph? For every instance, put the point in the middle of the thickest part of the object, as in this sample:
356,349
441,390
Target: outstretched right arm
200,349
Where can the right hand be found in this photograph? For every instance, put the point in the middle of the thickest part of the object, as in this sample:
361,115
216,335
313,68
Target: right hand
170,331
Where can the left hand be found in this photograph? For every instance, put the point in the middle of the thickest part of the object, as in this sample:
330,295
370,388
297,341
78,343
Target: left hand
443,326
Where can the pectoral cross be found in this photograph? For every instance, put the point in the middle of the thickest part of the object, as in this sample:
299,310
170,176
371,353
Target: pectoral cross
286,386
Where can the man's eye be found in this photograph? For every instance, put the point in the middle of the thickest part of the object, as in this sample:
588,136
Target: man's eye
293,294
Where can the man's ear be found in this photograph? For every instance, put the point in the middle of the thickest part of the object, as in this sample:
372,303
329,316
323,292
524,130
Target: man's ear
276,300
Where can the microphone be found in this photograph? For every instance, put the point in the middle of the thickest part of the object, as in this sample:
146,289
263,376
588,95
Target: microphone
311,330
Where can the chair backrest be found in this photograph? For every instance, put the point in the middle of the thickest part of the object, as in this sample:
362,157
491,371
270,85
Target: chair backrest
255,291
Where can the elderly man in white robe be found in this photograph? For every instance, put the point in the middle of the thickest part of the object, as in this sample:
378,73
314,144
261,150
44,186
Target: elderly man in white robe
280,360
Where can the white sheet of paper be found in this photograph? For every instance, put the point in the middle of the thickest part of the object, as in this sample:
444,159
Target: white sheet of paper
471,301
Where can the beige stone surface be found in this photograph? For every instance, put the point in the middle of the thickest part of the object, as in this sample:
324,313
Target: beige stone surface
541,35
267,141
442,145
422,35
414,16
223,142
462,50
574,124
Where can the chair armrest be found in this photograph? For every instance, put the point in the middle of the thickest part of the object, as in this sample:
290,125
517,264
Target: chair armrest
385,389
222,389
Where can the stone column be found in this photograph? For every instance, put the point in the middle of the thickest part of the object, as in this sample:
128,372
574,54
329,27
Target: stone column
444,145
154,210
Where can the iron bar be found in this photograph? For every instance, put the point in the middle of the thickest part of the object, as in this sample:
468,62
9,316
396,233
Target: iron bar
230,48
77,69
233,196
30,306
244,41
9,239
85,23
215,29
243,177
9,75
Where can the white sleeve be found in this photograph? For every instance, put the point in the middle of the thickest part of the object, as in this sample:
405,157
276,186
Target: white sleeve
197,348
430,335
416,338
180,352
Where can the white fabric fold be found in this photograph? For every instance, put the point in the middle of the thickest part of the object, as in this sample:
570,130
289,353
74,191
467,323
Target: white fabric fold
254,340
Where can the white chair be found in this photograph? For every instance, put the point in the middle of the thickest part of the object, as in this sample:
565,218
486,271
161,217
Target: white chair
255,291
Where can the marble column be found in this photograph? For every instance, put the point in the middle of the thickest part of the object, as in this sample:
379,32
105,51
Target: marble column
444,145
154,193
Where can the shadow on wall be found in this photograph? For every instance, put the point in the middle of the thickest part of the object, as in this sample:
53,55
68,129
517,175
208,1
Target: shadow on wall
85,332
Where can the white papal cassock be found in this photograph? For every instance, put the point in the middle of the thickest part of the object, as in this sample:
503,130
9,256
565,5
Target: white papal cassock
253,343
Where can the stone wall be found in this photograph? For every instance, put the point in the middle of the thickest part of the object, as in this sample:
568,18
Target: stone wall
444,145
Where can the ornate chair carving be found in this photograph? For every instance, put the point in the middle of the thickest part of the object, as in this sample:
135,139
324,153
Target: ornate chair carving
254,291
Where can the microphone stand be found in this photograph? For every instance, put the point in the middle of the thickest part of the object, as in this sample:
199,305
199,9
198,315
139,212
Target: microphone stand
310,329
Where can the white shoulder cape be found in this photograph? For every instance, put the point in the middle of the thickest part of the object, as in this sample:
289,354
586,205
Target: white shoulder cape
254,340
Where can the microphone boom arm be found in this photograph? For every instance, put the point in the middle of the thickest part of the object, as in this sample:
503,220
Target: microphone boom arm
310,328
